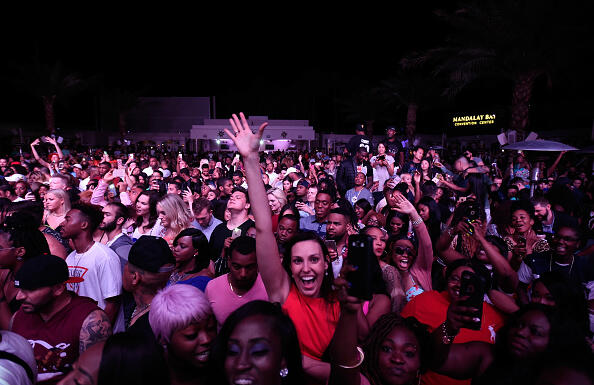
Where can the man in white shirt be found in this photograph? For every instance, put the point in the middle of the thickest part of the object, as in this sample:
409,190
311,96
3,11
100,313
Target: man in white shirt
205,221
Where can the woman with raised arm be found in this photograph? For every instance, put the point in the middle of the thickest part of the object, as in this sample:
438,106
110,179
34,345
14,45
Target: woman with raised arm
304,285
53,159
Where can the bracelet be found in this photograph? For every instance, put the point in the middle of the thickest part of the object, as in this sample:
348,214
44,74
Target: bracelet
361,358
446,339
417,222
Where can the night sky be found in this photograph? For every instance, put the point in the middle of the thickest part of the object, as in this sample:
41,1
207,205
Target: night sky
305,64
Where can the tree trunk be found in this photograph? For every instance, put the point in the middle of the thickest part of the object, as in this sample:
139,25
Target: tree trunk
411,120
48,107
520,107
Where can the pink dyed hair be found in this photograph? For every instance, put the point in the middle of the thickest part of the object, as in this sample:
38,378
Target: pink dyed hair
176,307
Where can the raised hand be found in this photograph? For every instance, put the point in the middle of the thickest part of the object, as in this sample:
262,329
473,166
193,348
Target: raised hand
35,142
245,140
403,205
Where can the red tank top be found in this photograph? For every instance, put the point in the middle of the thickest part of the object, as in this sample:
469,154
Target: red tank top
55,341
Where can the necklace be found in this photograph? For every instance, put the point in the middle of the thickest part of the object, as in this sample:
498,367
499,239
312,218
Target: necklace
356,198
570,265
177,276
138,310
231,287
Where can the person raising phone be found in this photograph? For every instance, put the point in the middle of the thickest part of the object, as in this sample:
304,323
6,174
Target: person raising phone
302,282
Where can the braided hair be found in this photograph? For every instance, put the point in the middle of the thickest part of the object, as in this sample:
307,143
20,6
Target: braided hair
378,334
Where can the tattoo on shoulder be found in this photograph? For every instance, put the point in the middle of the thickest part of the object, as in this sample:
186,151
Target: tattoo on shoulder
96,327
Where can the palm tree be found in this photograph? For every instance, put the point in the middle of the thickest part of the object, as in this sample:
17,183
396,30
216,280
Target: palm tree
50,83
514,40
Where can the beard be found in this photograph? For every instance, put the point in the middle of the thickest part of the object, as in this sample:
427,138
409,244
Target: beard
108,227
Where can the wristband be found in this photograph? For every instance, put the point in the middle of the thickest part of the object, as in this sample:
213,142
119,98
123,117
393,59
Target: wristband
447,339
361,358
417,222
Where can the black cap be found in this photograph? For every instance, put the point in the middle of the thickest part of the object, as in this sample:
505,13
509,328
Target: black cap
41,271
150,254
303,182
391,128
360,127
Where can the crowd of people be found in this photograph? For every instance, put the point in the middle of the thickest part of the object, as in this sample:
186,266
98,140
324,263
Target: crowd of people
381,264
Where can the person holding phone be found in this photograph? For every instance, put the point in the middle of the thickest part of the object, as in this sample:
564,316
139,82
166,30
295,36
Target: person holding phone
302,282
431,309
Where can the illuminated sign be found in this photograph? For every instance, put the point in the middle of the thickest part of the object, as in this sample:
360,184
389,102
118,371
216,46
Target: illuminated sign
473,120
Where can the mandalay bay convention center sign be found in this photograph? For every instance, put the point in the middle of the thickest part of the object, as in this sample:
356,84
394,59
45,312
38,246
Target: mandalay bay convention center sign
475,120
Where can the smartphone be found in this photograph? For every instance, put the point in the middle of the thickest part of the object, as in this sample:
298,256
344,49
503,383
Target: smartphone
119,172
360,256
236,158
180,155
473,288
131,155
521,242
330,244
236,233
61,164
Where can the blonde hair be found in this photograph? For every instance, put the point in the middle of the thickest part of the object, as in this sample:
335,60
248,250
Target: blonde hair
62,194
178,214
278,194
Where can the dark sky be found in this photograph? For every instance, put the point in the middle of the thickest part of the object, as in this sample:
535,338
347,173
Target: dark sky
288,64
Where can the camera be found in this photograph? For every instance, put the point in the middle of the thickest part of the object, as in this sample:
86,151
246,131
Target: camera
381,157
472,211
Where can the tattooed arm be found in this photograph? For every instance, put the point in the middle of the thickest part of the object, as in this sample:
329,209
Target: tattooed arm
96,327
393,279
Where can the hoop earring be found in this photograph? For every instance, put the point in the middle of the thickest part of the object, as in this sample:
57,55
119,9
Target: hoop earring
284,372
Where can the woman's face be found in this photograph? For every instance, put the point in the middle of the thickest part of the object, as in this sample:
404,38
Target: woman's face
542,295
396,225
379,241
274,204
211,195
403,254
42,191
183,250
453,283
142,205
424,212
163,216
20,189
373,221
438,194
286,185
308,266
521,221
254,353
52,202
191,345
399,358
381,149
424,165
359,211
216,174
529,335
54,159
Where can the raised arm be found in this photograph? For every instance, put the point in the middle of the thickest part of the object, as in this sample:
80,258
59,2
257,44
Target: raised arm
425,253
551,170
57,146
36,155
275,278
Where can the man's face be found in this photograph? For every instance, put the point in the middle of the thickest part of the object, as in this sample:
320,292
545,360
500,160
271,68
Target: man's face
173,189
361,156
497,182
237,180
390,134
20,189
565,242
153,163
286,230
57,183
541,212
227,188
419,154
322,205
243,270
269,167
359,179
311,194
34,301
203,217
71,226
301,191
103,169
157,175
577,183
3,162
337,227
109,222
237,201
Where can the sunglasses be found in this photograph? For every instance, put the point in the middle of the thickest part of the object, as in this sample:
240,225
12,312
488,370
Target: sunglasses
403,250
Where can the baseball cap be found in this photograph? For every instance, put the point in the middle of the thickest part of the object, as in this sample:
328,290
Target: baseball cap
360,127
41,271
303,182
151,253
15,178
77,165
390,128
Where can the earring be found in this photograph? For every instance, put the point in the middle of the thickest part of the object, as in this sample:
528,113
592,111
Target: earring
326,273
284,372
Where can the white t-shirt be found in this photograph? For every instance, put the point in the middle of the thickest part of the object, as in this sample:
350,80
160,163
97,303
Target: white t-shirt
380,173
99,272
12,373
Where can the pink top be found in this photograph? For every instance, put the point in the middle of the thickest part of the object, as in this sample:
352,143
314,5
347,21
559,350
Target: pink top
224,302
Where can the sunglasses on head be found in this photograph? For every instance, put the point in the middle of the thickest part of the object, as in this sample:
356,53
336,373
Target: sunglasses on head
403,250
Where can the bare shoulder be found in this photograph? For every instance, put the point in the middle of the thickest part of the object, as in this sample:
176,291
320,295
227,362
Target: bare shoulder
96,327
